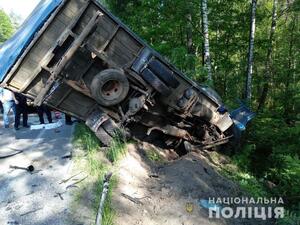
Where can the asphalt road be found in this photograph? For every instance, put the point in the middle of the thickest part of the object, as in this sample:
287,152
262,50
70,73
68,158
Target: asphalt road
32,198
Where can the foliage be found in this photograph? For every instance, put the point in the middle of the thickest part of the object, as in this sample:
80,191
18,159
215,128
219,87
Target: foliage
153,155
98,167
116,149
271,155
291,217
271,148
164,23
275,155
6,27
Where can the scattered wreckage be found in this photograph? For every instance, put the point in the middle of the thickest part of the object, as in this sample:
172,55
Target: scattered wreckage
78,58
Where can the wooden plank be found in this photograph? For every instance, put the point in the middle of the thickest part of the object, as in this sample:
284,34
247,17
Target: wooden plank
76,6
76,72
63,97
118,55
64,18
49,55
71,51
83,21
128,42
54,31
109,40
102,55
79,87
35,86
39,51
99,39
77,101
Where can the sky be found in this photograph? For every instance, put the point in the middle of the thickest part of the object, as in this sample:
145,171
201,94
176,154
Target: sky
20,7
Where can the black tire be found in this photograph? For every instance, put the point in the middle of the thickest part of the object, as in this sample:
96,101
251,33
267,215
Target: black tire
163,73
155,82
103,136
110,87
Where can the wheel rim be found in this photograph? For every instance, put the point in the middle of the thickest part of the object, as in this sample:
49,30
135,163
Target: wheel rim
111,89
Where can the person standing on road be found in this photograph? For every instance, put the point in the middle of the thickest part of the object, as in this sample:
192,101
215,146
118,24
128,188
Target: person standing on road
21,108
9,102
68,119
44,109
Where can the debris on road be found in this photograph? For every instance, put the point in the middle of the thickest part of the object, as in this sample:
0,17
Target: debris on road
49,126
32,211
69,156
66,180
77,182
59,195
13,223
29,168
7,155
134,200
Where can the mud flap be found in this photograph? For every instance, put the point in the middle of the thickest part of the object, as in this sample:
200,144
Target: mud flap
95,122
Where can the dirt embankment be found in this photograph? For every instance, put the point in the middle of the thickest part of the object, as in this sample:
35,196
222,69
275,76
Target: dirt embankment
168,192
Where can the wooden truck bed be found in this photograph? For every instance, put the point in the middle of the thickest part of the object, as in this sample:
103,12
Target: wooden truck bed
79,44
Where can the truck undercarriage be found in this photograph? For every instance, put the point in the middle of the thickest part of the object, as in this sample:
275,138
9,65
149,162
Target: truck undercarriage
83,61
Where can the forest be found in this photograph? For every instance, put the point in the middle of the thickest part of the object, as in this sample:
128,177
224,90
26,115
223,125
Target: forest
249,52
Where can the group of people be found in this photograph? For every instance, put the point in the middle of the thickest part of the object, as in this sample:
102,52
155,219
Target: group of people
17,103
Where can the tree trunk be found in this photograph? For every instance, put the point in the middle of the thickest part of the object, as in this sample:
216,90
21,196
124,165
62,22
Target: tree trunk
206,55
287,102
190,44
248,89
267,74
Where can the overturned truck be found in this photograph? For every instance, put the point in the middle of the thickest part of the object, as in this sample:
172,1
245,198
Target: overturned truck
78,58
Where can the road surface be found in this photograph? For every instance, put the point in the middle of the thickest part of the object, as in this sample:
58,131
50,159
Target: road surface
32,198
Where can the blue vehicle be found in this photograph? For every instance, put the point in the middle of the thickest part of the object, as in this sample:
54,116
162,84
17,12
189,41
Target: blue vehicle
78,58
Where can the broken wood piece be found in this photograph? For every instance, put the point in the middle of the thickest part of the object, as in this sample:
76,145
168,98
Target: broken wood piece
134,200
66,180
74,184
59,195
153,175
32,211
67,156
103,197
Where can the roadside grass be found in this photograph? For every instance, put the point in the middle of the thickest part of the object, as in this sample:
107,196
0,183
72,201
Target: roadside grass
234,172
247,181
96,164
153,155
116,150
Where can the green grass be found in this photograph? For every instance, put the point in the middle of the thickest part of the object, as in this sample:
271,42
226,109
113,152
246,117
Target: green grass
247,181
153,155
234,171
116,150
96,165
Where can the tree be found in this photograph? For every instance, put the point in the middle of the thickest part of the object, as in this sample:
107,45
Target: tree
206,57
189,34
248,89
6,27
15,19
267,74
